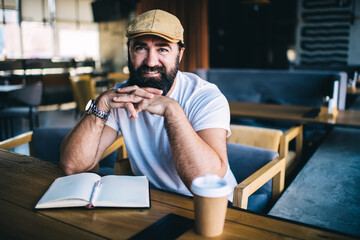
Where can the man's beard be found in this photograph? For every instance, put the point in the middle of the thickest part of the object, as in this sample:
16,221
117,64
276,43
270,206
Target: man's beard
164,82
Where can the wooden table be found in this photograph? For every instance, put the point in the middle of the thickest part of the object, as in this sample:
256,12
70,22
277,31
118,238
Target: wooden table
4,91
9,88
353,91
291,113
23,180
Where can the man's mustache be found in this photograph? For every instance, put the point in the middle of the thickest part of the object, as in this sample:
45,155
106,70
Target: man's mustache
145,69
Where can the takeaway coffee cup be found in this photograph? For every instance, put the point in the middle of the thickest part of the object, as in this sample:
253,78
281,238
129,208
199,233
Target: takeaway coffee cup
210,197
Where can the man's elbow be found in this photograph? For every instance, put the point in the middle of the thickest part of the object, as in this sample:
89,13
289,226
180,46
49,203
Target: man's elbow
67,168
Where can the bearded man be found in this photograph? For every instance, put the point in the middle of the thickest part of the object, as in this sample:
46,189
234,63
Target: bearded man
174,124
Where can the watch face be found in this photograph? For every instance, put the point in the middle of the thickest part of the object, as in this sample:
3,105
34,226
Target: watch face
88,105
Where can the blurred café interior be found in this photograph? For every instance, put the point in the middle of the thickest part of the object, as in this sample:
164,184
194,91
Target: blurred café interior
290,70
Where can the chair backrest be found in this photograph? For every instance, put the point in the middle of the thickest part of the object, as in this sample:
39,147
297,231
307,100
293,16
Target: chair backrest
46,143
118,76
29,95
256,136
83,89
246,160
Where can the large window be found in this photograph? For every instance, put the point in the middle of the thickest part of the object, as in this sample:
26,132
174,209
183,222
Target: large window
37,39
10,45
77,34
78,41
66,29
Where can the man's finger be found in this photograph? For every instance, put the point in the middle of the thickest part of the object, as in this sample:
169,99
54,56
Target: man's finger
123,98
127,89
154,91
135,88
140,92
130,107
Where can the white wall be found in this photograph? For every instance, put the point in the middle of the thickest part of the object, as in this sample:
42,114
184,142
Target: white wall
113,44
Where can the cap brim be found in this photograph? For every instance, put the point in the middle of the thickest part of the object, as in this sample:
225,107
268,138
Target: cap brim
138,34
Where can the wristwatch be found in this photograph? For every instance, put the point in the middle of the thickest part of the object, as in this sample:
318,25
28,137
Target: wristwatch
92,109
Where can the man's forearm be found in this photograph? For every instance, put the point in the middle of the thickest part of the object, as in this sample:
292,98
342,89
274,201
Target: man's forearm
83,147
79,150
192,155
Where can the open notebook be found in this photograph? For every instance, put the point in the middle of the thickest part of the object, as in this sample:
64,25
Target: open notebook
91,190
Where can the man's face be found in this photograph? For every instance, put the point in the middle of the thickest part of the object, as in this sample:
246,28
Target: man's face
153,62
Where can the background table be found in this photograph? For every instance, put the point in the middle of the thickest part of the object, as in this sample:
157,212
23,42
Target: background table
326,192
8,88
23,180
5,89
290,113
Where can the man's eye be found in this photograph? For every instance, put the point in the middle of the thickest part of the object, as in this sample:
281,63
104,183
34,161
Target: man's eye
163,50
139,49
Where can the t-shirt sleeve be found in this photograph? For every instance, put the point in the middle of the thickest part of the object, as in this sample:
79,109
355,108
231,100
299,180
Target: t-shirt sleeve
209,109
112,122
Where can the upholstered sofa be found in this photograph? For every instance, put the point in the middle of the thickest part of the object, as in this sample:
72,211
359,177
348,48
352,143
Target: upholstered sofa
292,87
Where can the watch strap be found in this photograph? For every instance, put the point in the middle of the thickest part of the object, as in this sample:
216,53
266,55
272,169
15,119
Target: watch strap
97,112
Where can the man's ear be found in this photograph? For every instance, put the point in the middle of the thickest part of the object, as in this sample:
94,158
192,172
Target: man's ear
181,53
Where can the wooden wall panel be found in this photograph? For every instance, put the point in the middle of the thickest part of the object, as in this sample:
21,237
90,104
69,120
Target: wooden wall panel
194,17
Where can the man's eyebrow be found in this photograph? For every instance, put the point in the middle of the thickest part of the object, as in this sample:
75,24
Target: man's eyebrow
139,44
163,45
160,44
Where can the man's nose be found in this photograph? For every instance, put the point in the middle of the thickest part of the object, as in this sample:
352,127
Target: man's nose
152,59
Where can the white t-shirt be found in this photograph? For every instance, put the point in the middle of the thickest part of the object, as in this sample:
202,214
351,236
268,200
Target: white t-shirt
146,139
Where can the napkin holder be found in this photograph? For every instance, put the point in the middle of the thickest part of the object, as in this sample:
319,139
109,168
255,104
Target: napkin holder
329,111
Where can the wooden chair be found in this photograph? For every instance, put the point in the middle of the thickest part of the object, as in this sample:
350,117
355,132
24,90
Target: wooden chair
118,77
272,139
44,143
254,168
83,88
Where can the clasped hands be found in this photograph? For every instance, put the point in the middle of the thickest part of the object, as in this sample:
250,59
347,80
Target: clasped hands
135,100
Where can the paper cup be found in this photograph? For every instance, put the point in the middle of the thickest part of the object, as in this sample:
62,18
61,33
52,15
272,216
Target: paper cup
210,198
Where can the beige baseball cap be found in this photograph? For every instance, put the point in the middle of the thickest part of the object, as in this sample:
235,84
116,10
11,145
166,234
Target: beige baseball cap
156,22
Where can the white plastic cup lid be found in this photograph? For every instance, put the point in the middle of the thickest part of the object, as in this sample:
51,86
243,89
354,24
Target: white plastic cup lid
211,186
